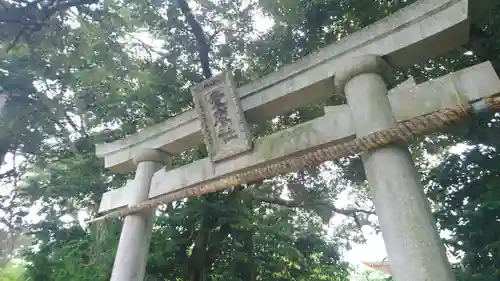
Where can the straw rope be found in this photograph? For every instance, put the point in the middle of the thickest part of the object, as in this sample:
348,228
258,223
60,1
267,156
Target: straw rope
402,132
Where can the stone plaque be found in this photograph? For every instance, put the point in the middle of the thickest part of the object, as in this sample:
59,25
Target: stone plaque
222,121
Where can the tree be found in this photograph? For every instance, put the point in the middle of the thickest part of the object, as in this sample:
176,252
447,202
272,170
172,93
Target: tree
88,75
114,90
20,19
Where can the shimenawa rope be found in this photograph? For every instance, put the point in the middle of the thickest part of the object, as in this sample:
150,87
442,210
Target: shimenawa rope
402,132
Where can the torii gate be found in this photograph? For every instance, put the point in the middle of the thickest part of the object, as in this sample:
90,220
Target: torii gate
375,122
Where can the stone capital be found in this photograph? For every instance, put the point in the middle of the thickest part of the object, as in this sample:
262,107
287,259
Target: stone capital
151,155
360,65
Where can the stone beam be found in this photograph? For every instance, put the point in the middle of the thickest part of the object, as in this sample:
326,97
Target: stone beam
451,90
116,197
422,30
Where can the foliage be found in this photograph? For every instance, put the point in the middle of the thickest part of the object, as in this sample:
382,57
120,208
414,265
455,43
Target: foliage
88,73
465,187
88,77
12,272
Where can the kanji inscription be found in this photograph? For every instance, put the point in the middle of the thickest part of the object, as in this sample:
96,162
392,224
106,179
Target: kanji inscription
223,124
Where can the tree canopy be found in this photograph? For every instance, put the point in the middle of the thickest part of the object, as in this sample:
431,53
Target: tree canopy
78,72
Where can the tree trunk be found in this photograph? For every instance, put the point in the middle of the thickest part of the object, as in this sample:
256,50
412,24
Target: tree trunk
246,268
201,39
196,264
480,44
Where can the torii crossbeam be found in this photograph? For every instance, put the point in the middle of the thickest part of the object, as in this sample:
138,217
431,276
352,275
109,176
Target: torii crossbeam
375,122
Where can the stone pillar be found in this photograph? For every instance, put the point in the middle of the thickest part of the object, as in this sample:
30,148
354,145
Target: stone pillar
131,256
415,250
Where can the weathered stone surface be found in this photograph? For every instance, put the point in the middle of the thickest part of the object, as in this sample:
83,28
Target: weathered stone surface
401,89
173,135
422,30
471,83
323,130
116,198
132,252
416,253
406,86
223,124
457,88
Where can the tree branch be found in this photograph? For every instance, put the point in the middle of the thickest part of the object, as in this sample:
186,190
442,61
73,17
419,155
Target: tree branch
298,204
201,39
212,37
51,104
352,211
16,39
10,173
73,125
278,201
457,246
31,16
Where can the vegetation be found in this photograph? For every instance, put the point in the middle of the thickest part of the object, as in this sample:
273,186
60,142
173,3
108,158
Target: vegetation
80,72
12,272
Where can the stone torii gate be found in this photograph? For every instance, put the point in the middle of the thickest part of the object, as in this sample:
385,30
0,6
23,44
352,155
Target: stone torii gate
375,122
